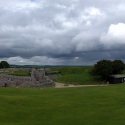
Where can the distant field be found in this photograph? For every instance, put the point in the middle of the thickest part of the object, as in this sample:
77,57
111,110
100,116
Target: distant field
18,73
67,106
77,75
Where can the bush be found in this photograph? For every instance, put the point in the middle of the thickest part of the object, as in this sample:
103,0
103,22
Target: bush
4,64
105,68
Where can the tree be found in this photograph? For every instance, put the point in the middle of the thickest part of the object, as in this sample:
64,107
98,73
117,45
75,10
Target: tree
4,64
117,66
103,68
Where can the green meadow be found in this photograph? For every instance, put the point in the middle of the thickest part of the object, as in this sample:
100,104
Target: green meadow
18,73
100,105
77,75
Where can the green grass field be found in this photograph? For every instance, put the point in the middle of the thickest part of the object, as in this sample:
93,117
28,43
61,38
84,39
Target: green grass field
65,106
18,73
79,75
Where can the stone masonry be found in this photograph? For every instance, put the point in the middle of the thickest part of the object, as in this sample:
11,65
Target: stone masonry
37,79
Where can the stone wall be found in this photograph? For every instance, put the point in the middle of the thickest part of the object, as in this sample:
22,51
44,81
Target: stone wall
37,78
53,77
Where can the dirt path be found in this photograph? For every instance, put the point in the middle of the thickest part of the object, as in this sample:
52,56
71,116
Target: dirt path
62,85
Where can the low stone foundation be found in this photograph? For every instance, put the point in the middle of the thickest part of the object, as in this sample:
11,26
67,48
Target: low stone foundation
37,79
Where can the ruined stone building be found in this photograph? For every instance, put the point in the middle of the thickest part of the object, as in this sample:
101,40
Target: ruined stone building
37,78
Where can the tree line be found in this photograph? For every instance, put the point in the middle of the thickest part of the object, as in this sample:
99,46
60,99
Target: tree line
4,64
105,68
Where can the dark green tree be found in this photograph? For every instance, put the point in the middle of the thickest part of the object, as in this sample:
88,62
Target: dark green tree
103,68
4,64
118,66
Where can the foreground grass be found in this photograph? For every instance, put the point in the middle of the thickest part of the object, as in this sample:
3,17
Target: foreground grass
79,75
69,106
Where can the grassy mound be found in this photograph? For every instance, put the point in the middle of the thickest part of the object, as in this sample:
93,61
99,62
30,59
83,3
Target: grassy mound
18,73
69,106
77,75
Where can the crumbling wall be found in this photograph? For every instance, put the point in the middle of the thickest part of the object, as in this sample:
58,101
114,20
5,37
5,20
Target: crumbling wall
37,78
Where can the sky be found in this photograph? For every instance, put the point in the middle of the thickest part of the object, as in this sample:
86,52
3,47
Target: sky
61,32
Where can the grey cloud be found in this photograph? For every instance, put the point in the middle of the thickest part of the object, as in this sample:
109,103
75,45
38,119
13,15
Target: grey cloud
61,32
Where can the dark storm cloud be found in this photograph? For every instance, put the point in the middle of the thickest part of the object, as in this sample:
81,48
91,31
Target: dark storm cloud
61,32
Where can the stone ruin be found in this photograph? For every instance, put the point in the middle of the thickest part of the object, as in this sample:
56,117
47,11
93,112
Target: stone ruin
37,79
52,74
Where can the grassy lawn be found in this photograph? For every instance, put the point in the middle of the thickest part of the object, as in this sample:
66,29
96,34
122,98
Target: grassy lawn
18,73
79,75
67,106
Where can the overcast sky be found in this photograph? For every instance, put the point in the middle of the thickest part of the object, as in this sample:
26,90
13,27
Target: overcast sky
61,32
